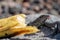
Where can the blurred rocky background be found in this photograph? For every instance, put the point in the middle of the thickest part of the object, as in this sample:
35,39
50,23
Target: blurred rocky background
12,7
33,9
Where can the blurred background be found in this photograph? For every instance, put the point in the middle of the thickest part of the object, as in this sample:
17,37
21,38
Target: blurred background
12,7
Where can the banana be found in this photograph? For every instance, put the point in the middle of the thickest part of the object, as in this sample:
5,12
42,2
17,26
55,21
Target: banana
15,25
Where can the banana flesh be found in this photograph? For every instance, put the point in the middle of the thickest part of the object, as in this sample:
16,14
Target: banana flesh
7,23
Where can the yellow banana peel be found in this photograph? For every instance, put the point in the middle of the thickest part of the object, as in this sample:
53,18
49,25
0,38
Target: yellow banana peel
15,24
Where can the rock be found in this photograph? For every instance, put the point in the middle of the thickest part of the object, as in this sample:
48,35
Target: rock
57,36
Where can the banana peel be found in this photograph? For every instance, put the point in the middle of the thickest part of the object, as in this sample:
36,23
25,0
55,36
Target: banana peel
15,25
19,31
